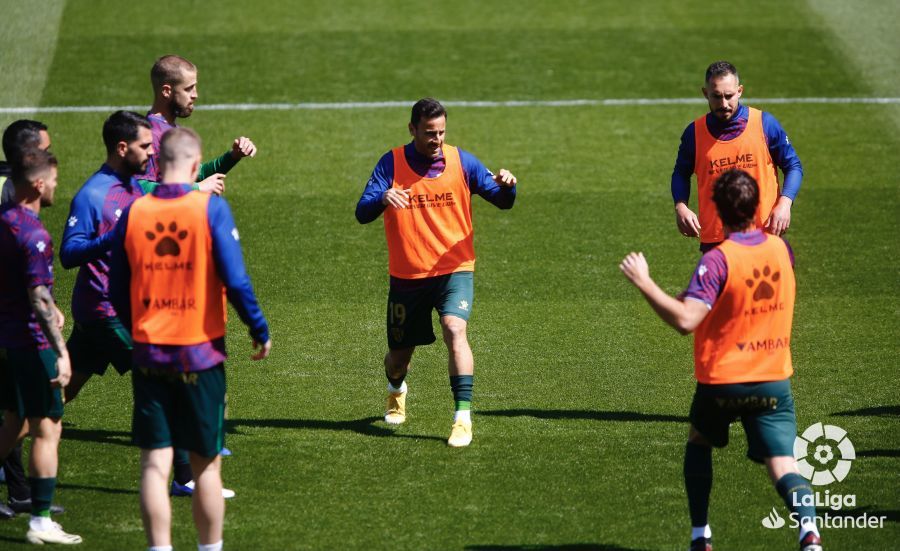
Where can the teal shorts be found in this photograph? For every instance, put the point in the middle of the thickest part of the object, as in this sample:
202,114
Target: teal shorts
94,345
410,302
25,389
179,409
766,411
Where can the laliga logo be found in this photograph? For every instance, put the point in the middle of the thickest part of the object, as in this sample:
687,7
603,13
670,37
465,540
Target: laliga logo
826,438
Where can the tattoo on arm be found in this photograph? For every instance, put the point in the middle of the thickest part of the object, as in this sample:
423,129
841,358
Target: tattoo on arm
45,312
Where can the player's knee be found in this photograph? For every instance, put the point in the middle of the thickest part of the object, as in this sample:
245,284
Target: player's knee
46,428
454,329
694,437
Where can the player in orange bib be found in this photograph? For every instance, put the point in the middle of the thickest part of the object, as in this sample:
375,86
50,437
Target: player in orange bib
175,258
730,136
740,307
425,191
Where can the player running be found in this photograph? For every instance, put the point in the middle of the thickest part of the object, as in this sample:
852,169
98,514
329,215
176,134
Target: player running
425,191
740,307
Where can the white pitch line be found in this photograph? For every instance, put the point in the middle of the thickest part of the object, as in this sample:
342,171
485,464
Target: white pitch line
331,106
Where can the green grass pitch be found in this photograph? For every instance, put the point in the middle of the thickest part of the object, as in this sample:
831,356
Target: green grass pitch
581,393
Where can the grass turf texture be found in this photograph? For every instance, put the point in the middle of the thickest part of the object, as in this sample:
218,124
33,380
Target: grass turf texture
581,394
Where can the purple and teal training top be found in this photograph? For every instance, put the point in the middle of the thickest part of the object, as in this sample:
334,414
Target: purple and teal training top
27,253
93,214
158,127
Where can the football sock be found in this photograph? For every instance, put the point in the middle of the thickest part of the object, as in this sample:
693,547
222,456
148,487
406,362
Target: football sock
698,481
40,524
160,548
700,532
42,490
461,385
182,464
210,546
464,415
792,487
398,388
396,383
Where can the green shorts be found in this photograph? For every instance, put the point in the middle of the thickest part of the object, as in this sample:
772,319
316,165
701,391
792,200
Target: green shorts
179,409
766,411
93,345
25,389
410,302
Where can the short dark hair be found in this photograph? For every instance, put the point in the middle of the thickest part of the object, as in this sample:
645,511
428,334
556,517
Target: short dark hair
20,136
736,195
122,126
169,69
426,108
720,69
32,164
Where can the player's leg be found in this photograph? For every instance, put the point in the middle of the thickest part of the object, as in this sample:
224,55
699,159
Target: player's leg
208,503
396,366
770,437
11,433
698,471
709,428
454,303
83,357
201,400
42,470
42,405
408,324
156,511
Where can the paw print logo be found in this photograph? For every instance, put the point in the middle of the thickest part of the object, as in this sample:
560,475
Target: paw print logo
764,289
167,245
823,454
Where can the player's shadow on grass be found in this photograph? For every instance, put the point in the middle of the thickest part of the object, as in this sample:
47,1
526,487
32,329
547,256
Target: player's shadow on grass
877,411
117,437
560,547
366,426
99,489
588,414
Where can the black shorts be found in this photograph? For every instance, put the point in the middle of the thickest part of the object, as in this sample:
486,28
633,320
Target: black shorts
179,409
94,345
411,301
766,411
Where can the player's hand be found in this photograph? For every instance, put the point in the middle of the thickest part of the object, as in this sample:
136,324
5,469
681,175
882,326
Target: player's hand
243,147
396,197
63,372
780,219
505,178
60,318
264,349
213,184
635,268
687,222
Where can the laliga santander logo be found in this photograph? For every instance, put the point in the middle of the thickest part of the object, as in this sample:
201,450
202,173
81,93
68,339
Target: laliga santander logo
828,440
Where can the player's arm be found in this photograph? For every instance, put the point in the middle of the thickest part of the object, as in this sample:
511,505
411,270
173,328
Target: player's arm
39,278
120,271
498,189
240,148
80,242
45,311
230,267
685,219
684,315
379,192
785,157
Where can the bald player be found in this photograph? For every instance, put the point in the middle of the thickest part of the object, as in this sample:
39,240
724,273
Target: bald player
176,256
